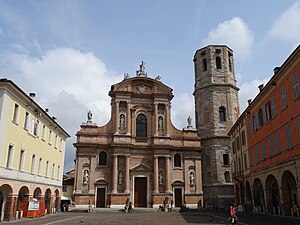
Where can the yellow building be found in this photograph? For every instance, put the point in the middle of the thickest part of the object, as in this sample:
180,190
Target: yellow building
32,149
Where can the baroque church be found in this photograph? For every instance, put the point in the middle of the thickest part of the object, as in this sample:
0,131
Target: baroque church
138,155
141,157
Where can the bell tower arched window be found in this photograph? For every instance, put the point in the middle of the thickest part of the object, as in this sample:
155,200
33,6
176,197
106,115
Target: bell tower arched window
218,62
222,114
141,126
204,64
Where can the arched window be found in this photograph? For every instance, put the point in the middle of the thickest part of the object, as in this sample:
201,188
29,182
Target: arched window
218,62
177,160
141,126
102,158
227,177
222,114
204,64
120,177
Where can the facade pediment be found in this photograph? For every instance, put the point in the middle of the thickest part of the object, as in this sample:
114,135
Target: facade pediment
141,168
101,182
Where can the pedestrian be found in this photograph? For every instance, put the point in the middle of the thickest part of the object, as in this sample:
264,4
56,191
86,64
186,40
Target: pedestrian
232,214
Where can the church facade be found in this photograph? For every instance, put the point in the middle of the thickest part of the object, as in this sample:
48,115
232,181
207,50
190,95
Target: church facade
138,155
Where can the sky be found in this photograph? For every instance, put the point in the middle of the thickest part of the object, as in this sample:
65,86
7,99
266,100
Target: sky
69,52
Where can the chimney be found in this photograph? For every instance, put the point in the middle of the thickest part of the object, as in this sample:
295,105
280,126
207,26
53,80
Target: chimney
249,101
32,95
46,110
261,87
276,69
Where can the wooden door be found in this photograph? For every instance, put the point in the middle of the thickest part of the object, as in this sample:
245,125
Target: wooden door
178,197
140,192
100,203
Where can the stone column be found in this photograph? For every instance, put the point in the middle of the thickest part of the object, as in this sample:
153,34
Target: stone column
115,174
128,120
168,181
117,104
127,177
155,175
155,119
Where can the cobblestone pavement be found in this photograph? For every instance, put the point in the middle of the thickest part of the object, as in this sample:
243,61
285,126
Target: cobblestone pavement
151,217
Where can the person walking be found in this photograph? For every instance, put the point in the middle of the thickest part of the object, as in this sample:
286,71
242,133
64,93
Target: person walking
232,214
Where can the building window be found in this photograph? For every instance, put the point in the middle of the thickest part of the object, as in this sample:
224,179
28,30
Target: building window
218,62
50,137
22,158
227,177
53,167
192,177
277,142
245,161
33,163
289,136
295,86
161,177
102,158
44,133
226,159
64,188
263,150
58,172
250,158
16,113
204,64
207,160
222,114
243,138
267,111
55,141
9,156
141,126
36,129
47,169
26,120
40,166
177,160
273,107
260,118
256,154
271,146
283,98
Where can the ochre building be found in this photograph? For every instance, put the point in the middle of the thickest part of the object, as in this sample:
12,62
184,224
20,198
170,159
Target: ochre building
138,155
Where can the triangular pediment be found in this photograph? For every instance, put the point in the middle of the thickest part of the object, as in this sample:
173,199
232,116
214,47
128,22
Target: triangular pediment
141,168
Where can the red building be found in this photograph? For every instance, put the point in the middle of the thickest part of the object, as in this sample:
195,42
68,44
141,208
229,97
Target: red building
273,138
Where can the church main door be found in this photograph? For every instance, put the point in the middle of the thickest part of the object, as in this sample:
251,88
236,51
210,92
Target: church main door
140,192
100,203
178,197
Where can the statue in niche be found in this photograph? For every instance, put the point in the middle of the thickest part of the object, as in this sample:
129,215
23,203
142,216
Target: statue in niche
86,176
89,115
192,177
160,123
122,120
120,177
160,177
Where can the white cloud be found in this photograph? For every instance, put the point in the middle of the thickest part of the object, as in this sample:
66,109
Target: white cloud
249,91
234,33
287,26
68,82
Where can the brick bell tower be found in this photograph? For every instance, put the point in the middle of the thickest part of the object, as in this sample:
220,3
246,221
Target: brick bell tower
216,110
